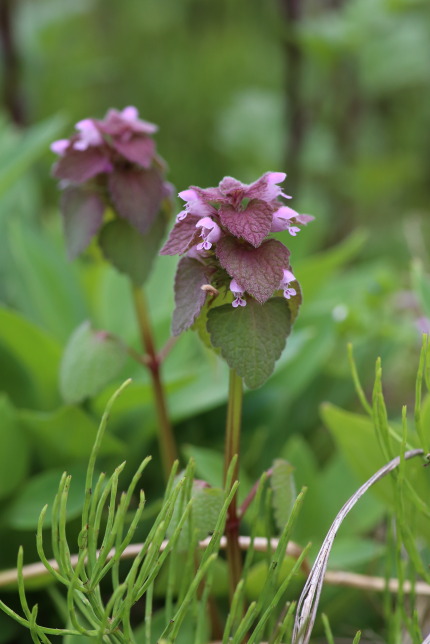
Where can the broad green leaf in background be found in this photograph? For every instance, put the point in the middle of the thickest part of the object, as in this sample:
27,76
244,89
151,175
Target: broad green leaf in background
90,361
128,250
32,349
24,511
251,338
14,449
65,435
42,283
210,468
24,149
355,436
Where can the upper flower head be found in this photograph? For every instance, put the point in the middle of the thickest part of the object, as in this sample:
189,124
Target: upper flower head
98,145
109,161
235,221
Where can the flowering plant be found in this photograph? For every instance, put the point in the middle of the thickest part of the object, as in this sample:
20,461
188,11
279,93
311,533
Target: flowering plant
233,272
113,164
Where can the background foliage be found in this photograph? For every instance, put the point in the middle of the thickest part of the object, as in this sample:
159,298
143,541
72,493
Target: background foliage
337,94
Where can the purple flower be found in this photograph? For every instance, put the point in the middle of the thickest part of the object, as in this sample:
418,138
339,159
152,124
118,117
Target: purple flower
238,293
227,230
111,161
88,136
210,233
285,284
285,218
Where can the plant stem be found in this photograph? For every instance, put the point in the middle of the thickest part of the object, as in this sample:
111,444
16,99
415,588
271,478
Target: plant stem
232,446
166,439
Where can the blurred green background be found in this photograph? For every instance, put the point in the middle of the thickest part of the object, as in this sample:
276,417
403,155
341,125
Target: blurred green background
337,94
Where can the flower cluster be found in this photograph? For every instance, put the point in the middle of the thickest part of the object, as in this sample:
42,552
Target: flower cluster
112,161
226,232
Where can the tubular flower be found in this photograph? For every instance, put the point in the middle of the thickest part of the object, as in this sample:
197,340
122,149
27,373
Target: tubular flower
238,293
225,233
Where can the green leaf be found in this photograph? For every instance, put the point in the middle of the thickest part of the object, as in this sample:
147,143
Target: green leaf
128,250
90,361
207,504
14,450
47,289
284,491
65,435
356,438
251,338
24,511
421,284
22,152
210,468
32,348
258,573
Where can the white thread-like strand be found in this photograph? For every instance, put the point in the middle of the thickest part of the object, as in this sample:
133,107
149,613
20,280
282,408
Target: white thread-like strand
309,599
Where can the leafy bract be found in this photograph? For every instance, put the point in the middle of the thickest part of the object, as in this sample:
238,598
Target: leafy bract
251,338
181,236
258,271
191,275
90,361
252,224
129,251
136,195
82,212
79,166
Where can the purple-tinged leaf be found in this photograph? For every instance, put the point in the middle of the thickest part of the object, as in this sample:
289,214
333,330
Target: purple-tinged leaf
139,150
79,166
129,251
136,195
258,270
252,224
251,338
183,234
82,215
189,297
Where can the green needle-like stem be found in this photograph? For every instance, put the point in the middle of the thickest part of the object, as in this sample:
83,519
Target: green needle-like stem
165,434
232,446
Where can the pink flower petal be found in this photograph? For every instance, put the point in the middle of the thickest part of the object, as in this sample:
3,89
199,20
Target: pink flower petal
59,147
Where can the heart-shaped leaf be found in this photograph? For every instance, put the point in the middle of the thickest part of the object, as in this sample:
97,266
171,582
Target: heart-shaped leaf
90,361
251,338
259,270
252,224
129,251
